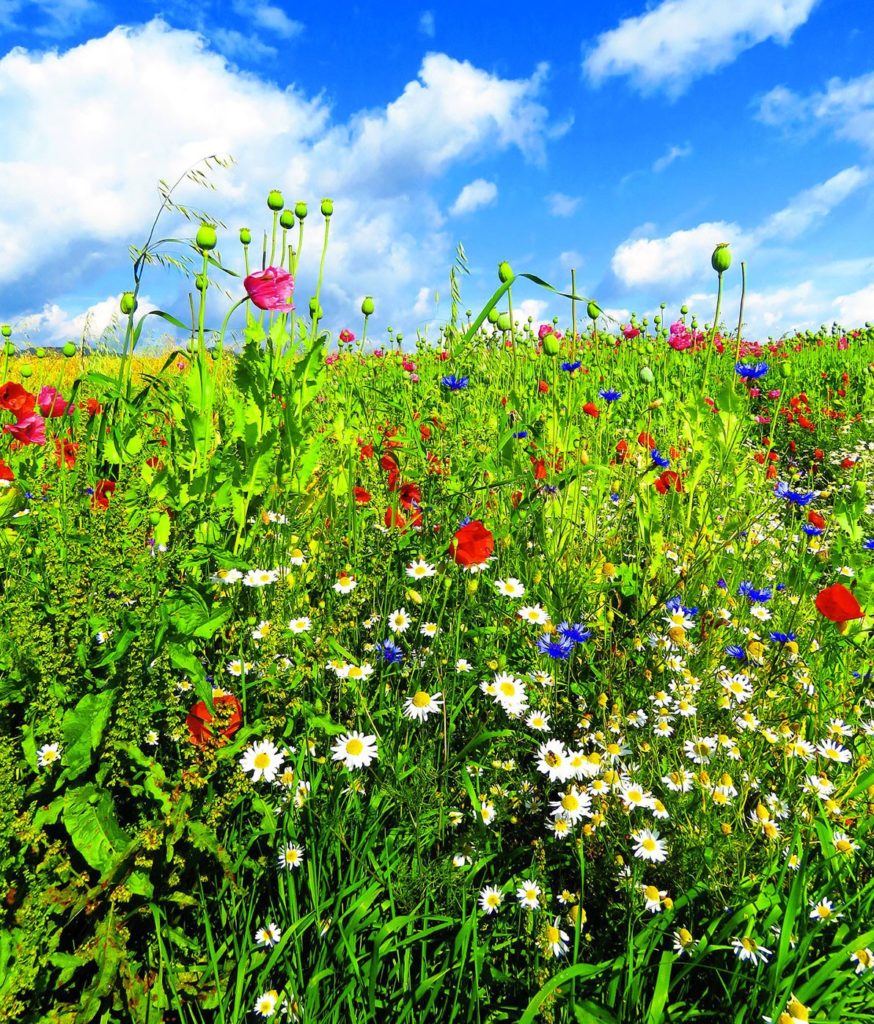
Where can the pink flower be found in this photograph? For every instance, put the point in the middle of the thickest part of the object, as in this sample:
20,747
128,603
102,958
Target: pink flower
755,392
270,289
409,366
330,360
378,353
50,403
630,332
28,430
346,336
545,329
775,393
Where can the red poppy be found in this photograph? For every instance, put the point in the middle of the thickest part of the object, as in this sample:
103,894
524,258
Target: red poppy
365,452
102,493
16,400
5,472
395,518
838,604
667,480
360,495
66,451
410,495
646,440
590,409
542,387
471,544
815,519
93,407
30,429
199,718
424,432
539,468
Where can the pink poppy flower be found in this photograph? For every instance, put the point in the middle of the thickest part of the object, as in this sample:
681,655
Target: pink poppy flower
270,289
28,430
51,403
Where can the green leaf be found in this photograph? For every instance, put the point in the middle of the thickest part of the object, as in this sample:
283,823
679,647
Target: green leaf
89,817
82,728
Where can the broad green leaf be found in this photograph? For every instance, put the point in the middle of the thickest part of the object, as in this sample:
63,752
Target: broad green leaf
82,728
89,818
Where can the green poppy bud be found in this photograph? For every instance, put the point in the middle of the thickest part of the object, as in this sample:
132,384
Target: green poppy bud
399,337
6,330
785,370
646,375
593,311
275,201
721,258
206,237
286,219
493,316
684,310
327,207
300,210
550,345
315,310
504,323
40,353
9,348
128,303
69,349
367,306
245,236
201,282
26,371
505,272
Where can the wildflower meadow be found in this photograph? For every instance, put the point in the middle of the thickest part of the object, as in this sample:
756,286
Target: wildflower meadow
518,673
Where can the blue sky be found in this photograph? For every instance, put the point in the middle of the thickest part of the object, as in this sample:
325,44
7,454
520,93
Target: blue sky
623,139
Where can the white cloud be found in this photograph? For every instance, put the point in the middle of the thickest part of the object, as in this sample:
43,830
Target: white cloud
684,255
478,193
54,324
81,135
424,302
680,40
560,205
272,19
857,308
847,107
426,24
535,308
673,153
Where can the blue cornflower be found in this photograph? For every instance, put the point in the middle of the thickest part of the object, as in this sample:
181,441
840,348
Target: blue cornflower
576,632
751,371
557,649
673,605
570,367
783,638
761,596
454,383
796,497
520,434
781,586
390,652
812,531
734,651
614,497
609,395
659,459
868,544
744,588
722,584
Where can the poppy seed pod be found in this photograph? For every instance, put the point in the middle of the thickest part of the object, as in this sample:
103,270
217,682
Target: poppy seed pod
646,375
245,236
327,207
721,258
286,219
26,371
493,316
367,306
300,210
9,348
69,349
206,237
505,272
40,353
128,303
593,310
6,330
201,282
504,322
550,345
275,201
315,310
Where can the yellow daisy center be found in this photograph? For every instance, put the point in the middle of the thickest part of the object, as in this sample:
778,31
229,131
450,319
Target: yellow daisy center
421,699
354,747
262,760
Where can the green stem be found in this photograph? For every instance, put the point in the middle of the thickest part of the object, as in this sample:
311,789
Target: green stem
712,334
321,272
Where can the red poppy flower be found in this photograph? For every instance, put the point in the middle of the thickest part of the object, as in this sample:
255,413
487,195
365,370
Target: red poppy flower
410,495
838,604
199,719
815,519
646,440
667,480
30,429
16,400
360,495
471,544
102,493
5,472
270,289
365,452
542,387
539,468
66,451
590,409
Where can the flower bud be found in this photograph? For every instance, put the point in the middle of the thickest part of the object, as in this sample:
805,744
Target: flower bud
646,375
504,322
40,353
245,236
69,349
200,282
493,316
327,207
367,306
286,219
206,237
721,258
684,310
300,210
26,371
315,309
550,345
505,272
275,201
6,330
9,348
593,310
128,303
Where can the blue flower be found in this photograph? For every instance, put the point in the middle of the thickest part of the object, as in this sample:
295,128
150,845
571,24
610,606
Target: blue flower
868,544
751,371
734,651
614,497
454,383
659,459
609,395
722,584
781,586
570,367
520,434
812,531
761,596
783,638
673,605
576,632
390,652
795,497
744,588
556,649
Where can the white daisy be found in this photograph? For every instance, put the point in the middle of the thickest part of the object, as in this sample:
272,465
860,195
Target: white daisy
556,939
463,665
303,624
399,621
528,894
260,577
538,720
510,587
269,935
48,754
490,899
420,569
263,760
265,1005
422,704
225,577
648,845
534,614
345,584
291,857
355,750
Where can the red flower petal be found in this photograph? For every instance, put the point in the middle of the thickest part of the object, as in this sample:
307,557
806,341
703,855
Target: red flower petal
838,604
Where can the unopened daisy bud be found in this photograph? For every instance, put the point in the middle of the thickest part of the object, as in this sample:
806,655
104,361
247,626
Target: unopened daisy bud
128,303
505,272
286,219
300,210
327,207
414,596
275,201
725,828
593,310
206,237
245,236
367,306
721,258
